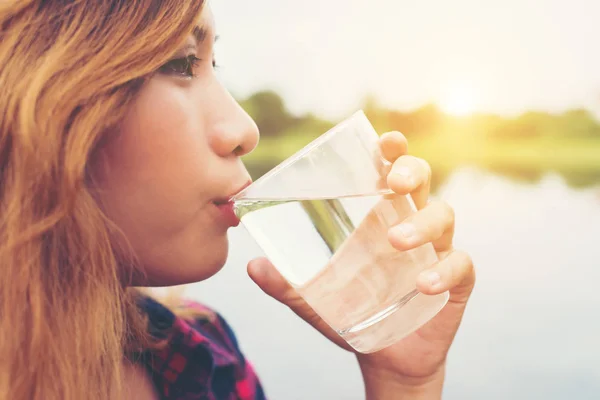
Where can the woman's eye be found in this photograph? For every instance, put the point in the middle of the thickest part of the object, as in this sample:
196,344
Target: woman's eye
181,66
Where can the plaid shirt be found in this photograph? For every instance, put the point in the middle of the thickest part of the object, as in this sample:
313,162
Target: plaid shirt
202,360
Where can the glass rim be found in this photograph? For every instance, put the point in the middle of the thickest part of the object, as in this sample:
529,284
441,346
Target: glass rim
315,143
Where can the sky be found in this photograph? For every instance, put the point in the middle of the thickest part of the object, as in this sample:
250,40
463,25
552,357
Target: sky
325,56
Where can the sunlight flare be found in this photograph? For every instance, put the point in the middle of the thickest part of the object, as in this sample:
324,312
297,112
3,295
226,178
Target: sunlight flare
458,99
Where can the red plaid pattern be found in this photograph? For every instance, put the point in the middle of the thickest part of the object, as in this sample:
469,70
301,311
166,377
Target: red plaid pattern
202,360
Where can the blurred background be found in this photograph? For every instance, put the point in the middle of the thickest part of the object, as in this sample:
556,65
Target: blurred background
503,99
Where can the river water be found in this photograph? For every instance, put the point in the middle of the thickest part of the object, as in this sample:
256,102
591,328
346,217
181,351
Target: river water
531,331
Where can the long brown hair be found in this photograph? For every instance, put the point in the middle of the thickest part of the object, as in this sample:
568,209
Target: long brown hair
68,71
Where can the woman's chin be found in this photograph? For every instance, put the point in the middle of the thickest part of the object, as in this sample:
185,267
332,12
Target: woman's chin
184,270
210,269
205,262
204,268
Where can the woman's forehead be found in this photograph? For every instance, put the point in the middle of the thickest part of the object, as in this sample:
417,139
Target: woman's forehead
204,29
206,20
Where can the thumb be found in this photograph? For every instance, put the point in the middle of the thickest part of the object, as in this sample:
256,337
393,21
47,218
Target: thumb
266,276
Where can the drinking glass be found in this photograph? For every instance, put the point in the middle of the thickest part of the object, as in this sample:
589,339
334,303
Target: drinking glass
322,218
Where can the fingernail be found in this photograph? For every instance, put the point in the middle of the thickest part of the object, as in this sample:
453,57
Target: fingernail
405,174
406,230
433,278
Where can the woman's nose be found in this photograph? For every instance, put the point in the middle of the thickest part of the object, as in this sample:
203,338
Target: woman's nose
233,132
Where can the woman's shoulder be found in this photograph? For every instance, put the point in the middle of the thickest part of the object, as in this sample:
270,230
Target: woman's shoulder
210,323
165,316
202,354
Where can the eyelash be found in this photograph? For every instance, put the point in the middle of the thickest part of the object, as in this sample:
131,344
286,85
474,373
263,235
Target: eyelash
188,64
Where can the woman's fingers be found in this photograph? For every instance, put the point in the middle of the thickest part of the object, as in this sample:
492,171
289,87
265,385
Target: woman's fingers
408,175
434,223
266,276
411,175
455,273
393,145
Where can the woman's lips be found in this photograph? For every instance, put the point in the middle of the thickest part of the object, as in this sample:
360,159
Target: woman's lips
228,213
225,206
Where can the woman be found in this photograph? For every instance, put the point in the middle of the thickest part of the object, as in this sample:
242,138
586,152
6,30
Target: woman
117,146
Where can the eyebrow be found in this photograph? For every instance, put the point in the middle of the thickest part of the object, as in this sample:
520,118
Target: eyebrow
199,34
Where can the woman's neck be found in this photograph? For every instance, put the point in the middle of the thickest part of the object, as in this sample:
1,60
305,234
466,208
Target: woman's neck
137,383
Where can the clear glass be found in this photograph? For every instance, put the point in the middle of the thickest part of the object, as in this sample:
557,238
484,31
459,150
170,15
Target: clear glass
322,218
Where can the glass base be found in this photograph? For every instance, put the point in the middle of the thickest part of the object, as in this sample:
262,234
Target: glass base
394,323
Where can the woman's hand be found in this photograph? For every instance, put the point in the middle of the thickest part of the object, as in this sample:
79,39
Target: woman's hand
414,366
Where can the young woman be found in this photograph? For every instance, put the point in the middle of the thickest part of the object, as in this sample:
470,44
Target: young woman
118,147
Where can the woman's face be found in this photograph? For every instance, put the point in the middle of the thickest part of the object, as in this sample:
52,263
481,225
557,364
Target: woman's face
175,158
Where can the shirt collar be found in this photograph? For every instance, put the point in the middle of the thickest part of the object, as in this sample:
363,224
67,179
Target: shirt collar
185,335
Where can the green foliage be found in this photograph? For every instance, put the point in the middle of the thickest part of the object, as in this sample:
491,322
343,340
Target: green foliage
578,123
273,119
423,121
420,122
525,147
268,111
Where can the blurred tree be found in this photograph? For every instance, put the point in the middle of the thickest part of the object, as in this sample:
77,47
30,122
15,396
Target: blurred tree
375,113
420,122
269,112
487,140
578,123
574,123
309,126
529,125
483,124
